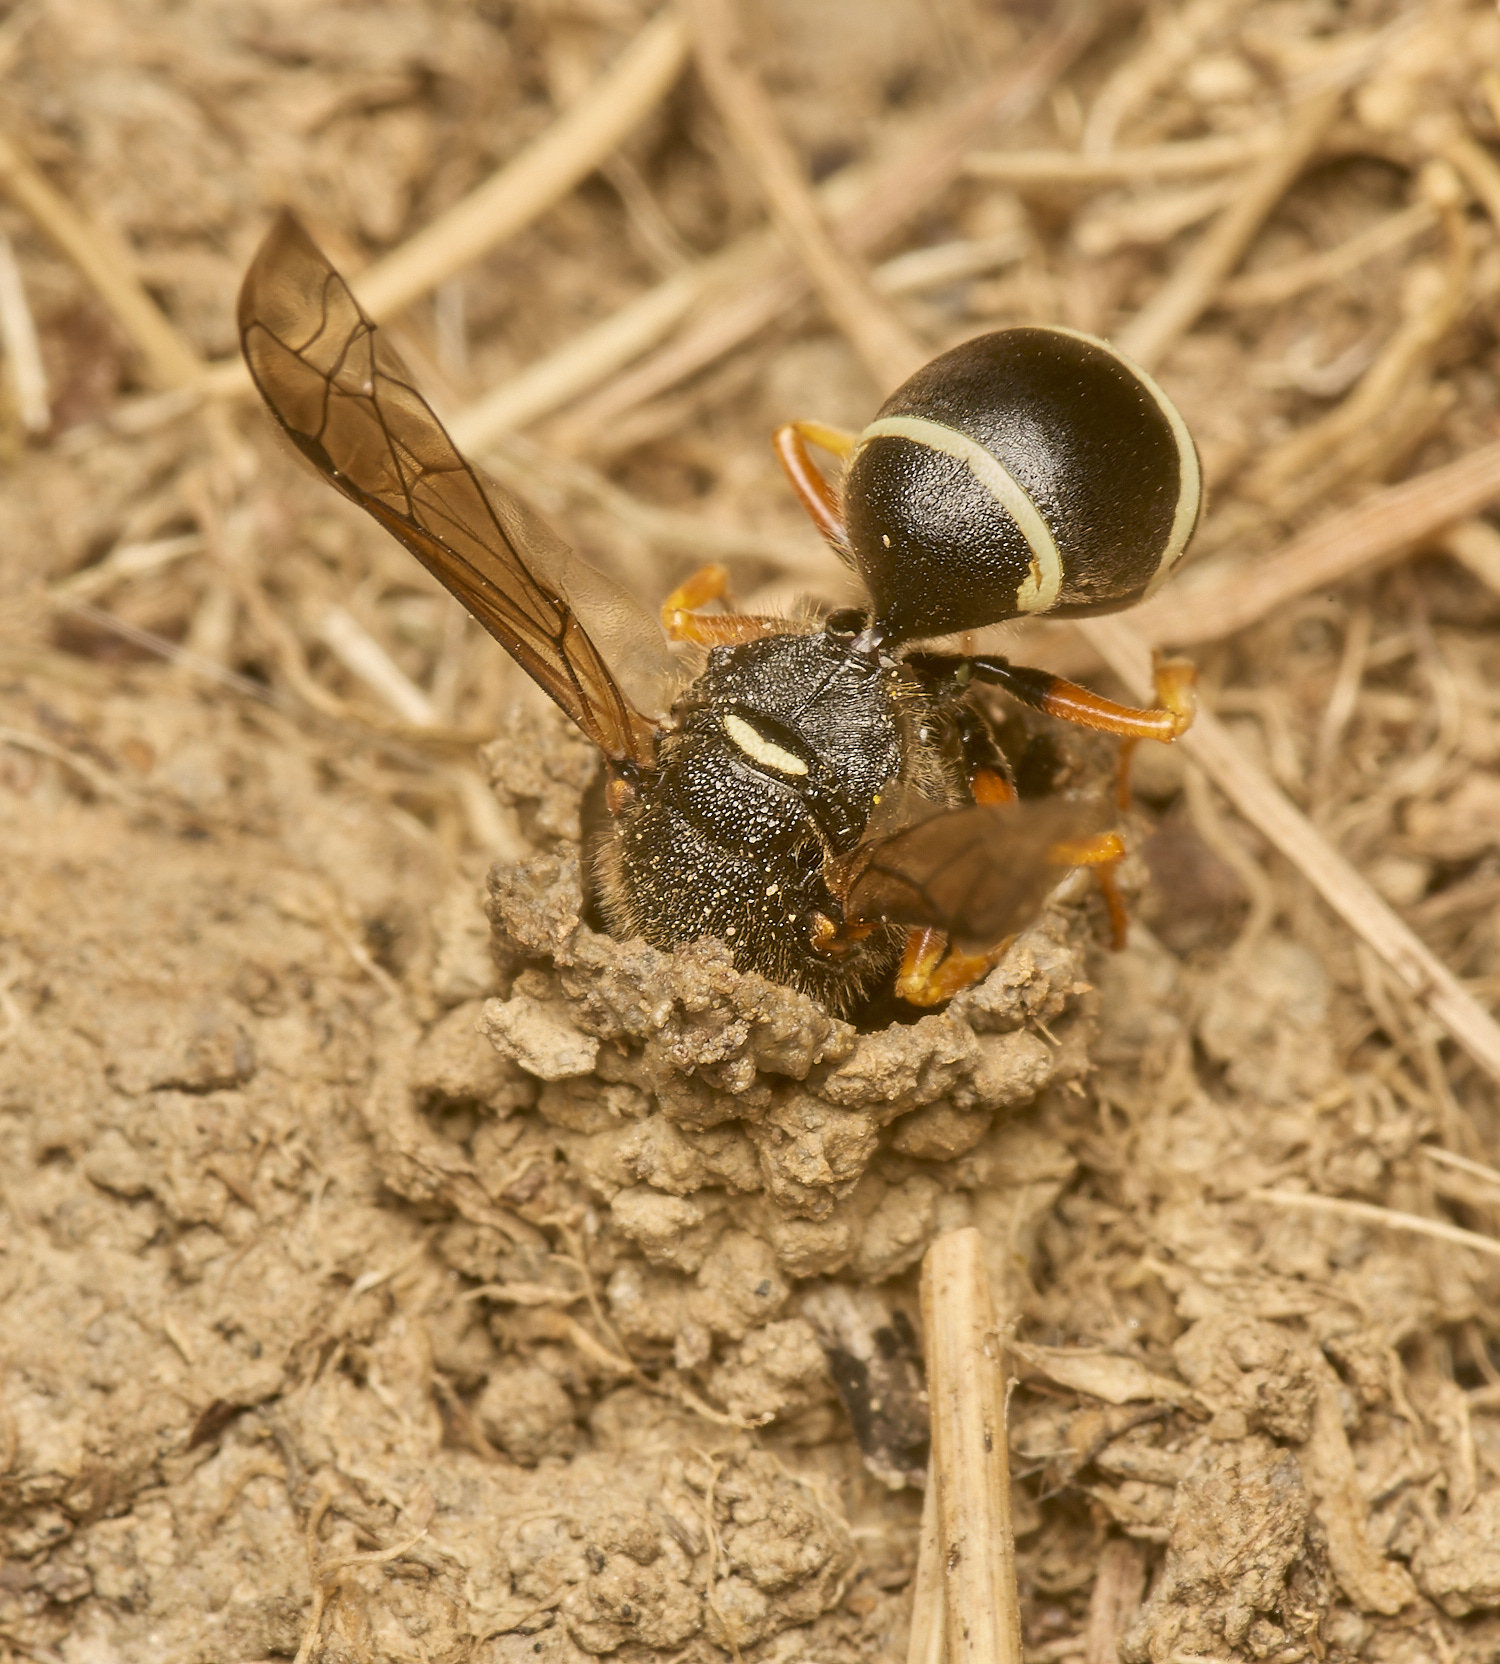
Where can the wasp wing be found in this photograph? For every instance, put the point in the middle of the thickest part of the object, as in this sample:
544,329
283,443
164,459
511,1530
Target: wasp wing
978,874
346,401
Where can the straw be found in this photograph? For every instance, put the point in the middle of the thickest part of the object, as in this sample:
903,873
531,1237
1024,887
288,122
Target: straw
170,360
970,1457
1211,746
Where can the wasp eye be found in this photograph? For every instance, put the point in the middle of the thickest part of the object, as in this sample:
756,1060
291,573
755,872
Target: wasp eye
846,623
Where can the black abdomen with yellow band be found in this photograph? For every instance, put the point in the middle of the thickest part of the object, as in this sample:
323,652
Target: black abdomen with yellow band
1029,471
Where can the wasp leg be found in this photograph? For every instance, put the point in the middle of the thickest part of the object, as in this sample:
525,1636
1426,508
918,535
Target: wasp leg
989,774
682,621
1119,919
932,972
1123,798
814,492
1172,716
1103,853
836,939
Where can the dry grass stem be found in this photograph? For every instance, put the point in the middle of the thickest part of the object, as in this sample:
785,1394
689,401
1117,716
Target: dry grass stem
542,477
128,560
1431,304
590,357
1209,604
1209,744
1271,288
97,779
885,198
590,130
1172,39
1479,171
173,652
23,352
1476,544
1190,290
1182,160
594,355
880,338
1389,1219
170,361
1450,1158
970,1456
360,654
927,1643
1116,1596
940,263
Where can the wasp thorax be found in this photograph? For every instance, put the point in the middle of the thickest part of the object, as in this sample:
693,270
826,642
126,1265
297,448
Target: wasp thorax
1028,471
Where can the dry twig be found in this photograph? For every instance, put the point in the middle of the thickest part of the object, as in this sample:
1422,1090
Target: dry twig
1189,291
591,129
887,197
970,1456
927,1643
1281,283
844,288
1390,1219
170,360
572,147
1209,744
1205,605
23,351
1180,160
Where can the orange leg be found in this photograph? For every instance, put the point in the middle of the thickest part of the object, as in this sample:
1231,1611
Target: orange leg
932,972
836,939
988,785
682,621
1119,919
1171,717
1122,773
814,492
1103,853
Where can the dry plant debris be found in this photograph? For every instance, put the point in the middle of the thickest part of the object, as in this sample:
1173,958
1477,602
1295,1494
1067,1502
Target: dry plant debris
380,1280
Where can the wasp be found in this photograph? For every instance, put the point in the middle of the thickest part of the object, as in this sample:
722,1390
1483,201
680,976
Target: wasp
825,797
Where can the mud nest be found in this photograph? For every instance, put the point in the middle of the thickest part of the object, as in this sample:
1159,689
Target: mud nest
396,1267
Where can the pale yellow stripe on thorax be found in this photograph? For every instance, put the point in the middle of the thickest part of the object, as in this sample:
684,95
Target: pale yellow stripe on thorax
759,749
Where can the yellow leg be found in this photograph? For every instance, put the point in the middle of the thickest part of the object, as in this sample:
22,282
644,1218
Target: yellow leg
682,621
1104,849
708,583
932,972
1175,682
1103,853
839,441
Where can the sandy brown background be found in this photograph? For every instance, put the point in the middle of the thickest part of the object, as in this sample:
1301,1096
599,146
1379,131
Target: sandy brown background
329,1331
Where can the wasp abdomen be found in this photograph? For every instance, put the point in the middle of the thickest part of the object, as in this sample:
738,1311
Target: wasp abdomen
1028,471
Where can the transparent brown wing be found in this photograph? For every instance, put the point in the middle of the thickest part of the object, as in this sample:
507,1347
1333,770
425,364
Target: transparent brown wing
347,403
979,873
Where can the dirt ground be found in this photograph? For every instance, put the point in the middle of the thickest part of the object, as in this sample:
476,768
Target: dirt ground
396,1268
